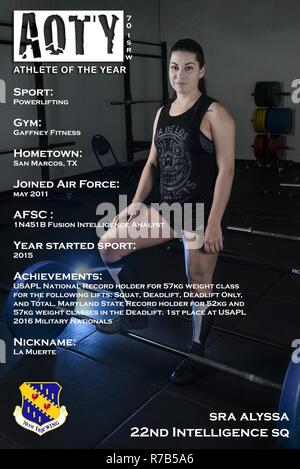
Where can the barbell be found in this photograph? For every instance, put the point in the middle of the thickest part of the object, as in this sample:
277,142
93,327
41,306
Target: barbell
43,282
251,230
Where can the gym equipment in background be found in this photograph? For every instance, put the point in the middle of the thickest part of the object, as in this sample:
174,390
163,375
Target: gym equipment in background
290,403
251,230
102,147
279,120
273,120
270,122
126,172
134,146
260,120
271,148
268,93
293,182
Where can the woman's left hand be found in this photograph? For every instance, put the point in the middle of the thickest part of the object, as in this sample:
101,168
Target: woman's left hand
213,238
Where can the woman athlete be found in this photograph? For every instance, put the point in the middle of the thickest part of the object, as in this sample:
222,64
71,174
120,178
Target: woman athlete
192,154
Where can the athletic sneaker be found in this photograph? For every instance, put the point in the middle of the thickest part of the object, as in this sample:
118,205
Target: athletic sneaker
188,371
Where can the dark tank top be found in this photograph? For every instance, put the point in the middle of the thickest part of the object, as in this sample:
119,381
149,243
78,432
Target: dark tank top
186,157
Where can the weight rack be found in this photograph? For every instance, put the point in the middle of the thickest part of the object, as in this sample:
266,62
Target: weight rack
134,146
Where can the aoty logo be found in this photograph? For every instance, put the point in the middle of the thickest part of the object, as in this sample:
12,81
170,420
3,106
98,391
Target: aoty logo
69,36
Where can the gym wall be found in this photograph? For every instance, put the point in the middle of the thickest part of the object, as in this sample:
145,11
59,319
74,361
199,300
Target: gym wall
244,42
89,110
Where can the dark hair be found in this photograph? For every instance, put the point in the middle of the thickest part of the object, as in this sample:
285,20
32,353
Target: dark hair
189,45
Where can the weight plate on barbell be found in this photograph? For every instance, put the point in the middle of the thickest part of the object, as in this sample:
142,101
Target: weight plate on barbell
290,403
274,93
276,145
261,93
260,146
259,120
279,120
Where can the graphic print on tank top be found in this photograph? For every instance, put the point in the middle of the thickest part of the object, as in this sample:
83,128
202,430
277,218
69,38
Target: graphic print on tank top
188,169
175,162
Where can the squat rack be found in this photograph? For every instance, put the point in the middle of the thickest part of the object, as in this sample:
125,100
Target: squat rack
133,146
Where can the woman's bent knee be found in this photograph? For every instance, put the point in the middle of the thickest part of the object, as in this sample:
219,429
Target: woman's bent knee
107,252
198,273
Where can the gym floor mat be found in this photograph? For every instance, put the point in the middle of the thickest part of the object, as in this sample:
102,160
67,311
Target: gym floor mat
251,279
252,357
5,444
273,319
287,288
129,356
225,392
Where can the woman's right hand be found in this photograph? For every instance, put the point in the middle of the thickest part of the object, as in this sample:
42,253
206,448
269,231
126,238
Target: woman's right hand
129,213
